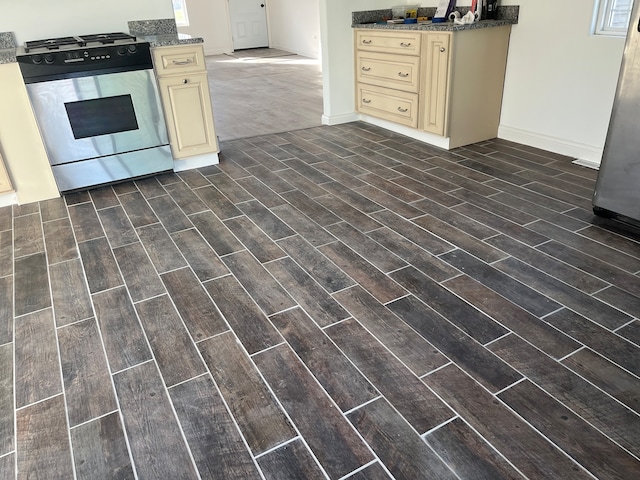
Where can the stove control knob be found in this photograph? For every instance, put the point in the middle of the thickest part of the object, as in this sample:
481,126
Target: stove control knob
37,59
49,58
132,49
122,50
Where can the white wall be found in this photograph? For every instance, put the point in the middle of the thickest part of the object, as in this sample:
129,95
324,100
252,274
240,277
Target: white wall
209,19
337,55
294,26
560,80
38,19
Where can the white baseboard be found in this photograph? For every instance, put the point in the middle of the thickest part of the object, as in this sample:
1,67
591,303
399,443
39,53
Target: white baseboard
426,137
339,119
197,161
7,199
586,155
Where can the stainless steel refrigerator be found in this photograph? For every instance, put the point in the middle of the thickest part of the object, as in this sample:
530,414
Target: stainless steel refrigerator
617,192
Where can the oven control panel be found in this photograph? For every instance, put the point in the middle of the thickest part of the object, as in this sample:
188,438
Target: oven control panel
80,60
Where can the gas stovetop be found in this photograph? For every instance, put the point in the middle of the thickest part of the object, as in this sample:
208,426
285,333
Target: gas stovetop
45,45
73,56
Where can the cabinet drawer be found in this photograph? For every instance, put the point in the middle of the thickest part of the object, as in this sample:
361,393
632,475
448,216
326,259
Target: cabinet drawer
393,105
179,59
407,43
386,70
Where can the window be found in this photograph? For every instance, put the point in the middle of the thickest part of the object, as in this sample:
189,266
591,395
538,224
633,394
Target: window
180,12
613,17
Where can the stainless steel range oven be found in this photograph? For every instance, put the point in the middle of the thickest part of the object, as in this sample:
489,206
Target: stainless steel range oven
97,106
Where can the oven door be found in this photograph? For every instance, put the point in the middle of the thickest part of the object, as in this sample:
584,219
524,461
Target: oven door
96,116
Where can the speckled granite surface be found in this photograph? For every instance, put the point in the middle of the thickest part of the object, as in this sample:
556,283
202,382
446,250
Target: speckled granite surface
439,27
507,15
170,39
160,26
7,55
160,33
7,40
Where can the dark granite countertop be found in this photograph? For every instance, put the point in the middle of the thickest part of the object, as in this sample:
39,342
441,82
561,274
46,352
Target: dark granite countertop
8,55
170,39
7,47
439,27
161,32
507,15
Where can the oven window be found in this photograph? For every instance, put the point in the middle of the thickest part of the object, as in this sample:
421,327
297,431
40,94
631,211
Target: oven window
101,116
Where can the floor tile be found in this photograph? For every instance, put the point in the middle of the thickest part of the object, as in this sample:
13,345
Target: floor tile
172,348
123,338
342,381
523,446
87,380
247,320
331,439
100,449
37,370
147,413
407,457
261,420
216,445
292,460
43,449
198,312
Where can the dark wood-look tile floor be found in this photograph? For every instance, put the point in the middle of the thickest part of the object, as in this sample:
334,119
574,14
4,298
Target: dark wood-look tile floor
336,302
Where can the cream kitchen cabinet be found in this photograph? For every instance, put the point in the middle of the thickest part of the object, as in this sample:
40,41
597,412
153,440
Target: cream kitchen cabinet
5,184
184,90
388,75
436,76
449,82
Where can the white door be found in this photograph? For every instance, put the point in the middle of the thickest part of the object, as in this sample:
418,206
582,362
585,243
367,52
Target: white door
248,23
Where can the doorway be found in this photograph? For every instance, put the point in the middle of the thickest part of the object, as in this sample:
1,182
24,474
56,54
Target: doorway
248,24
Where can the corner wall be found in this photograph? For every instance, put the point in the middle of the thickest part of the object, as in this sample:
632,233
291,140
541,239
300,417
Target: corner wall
294,26
560,80
209,19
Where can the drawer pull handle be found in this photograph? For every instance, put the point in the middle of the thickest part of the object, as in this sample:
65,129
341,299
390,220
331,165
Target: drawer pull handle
366,42
182,62
403,75
185,81
366,69
402,44
366,100
403,110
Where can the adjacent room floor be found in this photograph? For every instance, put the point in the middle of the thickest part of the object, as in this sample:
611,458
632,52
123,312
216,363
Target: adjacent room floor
335,302
264,90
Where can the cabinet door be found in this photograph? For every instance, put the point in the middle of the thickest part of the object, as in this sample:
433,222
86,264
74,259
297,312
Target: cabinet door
187,105
436,78
5,184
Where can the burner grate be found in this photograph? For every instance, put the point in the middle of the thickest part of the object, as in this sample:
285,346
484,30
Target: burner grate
80,41
107,37
53,43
